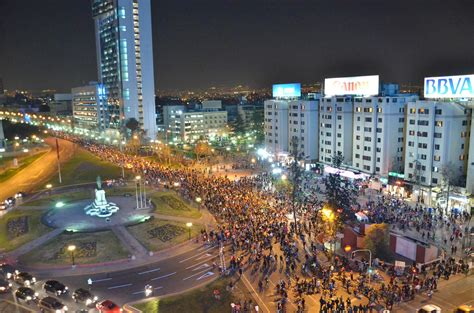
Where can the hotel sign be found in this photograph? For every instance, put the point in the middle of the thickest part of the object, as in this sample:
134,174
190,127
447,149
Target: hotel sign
358,86
449,87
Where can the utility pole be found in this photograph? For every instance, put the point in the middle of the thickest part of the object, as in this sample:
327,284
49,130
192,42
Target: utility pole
59,163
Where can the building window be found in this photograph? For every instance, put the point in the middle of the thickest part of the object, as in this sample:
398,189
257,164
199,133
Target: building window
434,181
437,158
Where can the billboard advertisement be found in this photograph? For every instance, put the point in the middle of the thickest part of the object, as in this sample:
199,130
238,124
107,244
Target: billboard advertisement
449,87
287,90
357,86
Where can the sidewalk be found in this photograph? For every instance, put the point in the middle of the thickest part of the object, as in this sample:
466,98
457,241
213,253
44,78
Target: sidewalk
134,247
27,247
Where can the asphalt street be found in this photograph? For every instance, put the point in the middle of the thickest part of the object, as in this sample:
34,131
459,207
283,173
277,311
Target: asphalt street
41,169
172,275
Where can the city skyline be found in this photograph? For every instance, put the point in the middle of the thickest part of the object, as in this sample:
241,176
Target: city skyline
253,43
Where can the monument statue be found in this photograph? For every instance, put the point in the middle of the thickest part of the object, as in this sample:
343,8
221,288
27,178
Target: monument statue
100,207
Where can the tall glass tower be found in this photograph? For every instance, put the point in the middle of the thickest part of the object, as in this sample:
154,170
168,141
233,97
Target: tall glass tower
125,61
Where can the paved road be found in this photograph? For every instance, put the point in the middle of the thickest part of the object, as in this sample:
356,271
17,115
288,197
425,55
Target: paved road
172,275
450,295
38,171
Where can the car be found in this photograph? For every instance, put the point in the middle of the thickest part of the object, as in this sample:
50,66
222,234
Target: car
50,304
429,308
5,285
10,201
7,270
24,278
84,296
464,309
19,195
53,286
108,306
3,206
26,294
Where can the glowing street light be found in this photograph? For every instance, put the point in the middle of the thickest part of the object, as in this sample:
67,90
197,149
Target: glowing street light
59,204
198,199
189,225
72,248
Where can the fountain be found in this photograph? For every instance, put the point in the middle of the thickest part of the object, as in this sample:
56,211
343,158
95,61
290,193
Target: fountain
100,207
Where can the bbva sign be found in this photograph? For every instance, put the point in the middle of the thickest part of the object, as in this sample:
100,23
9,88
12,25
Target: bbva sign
449,87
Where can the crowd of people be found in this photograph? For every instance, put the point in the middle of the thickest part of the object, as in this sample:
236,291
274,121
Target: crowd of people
264,238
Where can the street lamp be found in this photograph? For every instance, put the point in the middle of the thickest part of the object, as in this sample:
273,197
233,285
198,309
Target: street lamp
189,225
198,199
72,248
138,179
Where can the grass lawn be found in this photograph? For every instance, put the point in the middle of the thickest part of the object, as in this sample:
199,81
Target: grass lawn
48,201
168,203
84,167
22,164
35,228
199,300
158,234
90,248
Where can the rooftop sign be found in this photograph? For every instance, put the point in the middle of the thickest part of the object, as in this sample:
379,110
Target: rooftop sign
287,90
357,86
449,87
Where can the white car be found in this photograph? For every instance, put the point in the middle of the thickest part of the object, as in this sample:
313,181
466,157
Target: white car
429,308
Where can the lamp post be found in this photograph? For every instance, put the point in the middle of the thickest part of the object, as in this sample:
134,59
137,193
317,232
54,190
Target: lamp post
137,186
328,215
48,187
72,248
189,225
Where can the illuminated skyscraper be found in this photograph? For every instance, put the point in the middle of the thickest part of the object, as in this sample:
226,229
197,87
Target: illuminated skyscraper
125,61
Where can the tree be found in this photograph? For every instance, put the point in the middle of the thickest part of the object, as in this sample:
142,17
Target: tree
340,193
257,124
296,171
202,149
239,126
451,177
377,240
132,124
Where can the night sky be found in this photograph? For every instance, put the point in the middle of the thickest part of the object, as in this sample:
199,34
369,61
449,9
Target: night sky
50,44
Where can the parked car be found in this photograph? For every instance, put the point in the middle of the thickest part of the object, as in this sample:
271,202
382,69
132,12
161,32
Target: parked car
108,306
429,308
53,286
26,294
7,270
4,285
24,278
82,295
50,304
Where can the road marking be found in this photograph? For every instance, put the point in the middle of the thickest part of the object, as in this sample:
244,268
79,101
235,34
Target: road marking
205,265
208,274
160,277
204,256
150,271
195,274
120,286
256,293
187,259
99,280
143,291
210,258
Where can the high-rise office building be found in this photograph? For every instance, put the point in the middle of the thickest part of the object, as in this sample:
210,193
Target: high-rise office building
89,106
125,61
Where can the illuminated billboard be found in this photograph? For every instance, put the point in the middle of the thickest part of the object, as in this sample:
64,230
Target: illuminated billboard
287,90
357,85
449,87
